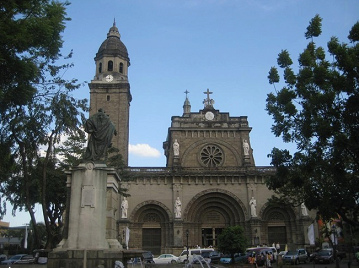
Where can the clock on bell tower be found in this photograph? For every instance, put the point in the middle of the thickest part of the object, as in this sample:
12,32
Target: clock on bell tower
110,89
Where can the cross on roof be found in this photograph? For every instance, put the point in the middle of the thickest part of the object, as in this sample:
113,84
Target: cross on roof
208,92
208,101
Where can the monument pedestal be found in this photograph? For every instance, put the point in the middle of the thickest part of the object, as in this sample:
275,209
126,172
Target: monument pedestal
91,238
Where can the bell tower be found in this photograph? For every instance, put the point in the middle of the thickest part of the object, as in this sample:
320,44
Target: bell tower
110,89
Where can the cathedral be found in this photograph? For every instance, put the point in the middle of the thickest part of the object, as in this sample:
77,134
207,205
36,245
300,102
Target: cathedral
209,181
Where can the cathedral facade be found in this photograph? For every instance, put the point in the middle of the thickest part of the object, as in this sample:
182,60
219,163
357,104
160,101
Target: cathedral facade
210,180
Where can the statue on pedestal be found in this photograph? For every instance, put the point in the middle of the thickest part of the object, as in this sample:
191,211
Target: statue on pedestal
101,131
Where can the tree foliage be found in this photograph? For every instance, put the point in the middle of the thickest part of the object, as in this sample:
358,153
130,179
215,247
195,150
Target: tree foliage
36,109
232,240
318,110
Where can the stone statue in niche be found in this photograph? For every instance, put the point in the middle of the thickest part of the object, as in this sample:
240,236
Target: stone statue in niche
304,209
176,148
246,147
253,205
178,208
124,208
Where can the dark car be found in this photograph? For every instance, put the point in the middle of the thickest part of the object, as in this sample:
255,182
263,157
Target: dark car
241,258
147,257
324,256
227,258
14,259
27,259
295,256
205,258
41,255
215,256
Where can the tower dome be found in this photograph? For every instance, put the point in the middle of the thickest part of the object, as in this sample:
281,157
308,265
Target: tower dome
113,46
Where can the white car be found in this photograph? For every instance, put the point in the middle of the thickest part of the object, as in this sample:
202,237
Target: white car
165,258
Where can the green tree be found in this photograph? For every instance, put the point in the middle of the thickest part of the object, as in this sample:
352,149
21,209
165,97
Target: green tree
232,240
318,110
36,108
30,36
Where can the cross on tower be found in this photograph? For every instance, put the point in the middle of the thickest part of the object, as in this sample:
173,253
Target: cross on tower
186,93
208,101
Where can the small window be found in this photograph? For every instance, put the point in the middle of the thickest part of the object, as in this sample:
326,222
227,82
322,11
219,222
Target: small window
108,97
121,67
110,66
100,67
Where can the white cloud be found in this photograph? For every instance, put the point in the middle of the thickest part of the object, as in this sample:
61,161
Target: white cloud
143,150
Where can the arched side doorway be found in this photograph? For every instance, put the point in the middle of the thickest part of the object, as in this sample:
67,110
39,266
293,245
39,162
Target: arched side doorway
277,225
153,227
209,212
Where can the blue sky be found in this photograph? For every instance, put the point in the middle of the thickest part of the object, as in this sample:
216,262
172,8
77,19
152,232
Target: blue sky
227,46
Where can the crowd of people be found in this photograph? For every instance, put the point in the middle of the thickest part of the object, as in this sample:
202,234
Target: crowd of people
265,257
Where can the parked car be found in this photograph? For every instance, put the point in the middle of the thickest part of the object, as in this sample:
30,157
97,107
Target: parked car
191,252
165,258
237,258
27,259
324,256
282,253
215,256
241,258
14,259
200,259
206,256
2,257
227,259
41,255
147,257
295,256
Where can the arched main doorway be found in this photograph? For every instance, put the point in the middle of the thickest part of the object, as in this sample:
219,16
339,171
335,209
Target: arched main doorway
153,226
278,226
209,212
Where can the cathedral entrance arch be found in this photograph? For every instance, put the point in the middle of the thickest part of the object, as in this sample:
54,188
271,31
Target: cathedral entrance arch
152,219
209,212
278,225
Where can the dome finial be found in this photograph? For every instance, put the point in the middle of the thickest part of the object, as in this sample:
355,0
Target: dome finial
114,30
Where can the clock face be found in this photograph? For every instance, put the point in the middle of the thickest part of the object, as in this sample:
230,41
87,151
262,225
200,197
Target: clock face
209,116
109,78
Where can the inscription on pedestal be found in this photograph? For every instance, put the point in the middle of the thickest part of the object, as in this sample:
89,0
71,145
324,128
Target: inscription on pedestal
88,196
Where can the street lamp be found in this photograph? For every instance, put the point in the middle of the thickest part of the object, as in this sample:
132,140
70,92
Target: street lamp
187,243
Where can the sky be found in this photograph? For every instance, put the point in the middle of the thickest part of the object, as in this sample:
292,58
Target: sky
226,46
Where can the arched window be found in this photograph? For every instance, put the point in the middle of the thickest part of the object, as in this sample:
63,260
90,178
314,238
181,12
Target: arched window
100,67
110,66
121,67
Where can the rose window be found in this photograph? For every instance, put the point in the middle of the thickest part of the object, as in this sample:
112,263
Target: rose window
211,156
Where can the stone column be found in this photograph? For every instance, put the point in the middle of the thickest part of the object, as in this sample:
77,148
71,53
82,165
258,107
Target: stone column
113,209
